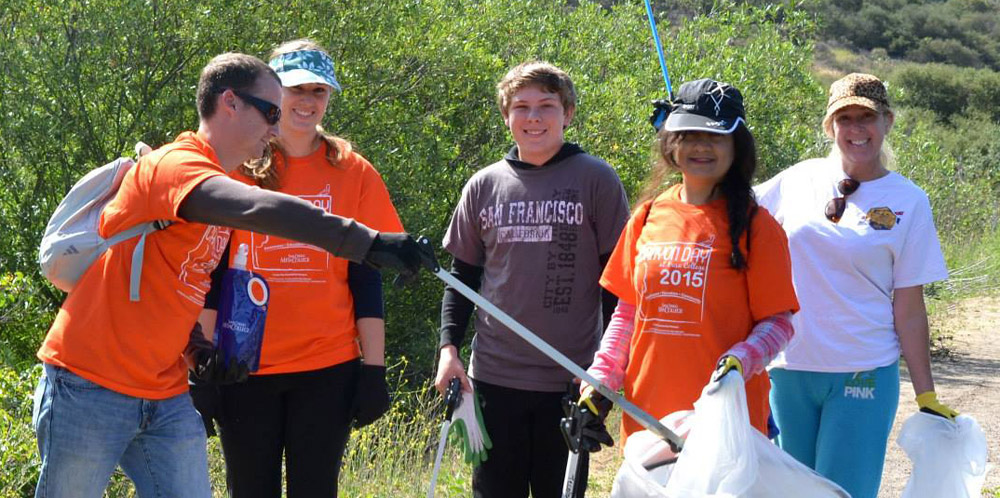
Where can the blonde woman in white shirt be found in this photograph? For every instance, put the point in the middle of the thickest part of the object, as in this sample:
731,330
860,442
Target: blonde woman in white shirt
863,245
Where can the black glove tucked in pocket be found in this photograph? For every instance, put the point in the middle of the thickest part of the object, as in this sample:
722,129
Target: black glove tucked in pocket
207,400
207,363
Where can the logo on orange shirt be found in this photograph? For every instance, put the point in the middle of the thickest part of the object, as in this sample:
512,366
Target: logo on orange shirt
291,261
671,285
197,267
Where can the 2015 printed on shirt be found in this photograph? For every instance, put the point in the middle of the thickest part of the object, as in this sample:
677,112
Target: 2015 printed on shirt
672,277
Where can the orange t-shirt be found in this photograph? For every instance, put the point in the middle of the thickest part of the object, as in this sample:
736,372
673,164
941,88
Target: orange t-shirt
691,304
310,317
135,348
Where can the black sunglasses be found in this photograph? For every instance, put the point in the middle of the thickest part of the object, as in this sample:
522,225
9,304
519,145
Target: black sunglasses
271,112
835,208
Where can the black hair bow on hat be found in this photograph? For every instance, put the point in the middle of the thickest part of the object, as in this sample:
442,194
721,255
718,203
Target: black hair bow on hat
661,109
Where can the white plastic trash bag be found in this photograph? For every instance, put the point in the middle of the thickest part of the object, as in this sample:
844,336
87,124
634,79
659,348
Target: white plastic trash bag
718,458
649,460
723,456
949,458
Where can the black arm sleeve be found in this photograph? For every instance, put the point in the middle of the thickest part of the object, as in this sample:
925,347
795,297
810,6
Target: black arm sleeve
365,283
212,296
456,309
226,202
609,301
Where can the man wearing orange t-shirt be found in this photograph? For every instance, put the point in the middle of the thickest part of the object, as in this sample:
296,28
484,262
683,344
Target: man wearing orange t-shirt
114,391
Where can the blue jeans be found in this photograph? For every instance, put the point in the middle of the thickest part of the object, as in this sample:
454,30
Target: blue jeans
837,423
85,430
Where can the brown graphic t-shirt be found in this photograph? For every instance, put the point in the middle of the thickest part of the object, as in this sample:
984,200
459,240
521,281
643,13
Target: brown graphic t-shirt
538,233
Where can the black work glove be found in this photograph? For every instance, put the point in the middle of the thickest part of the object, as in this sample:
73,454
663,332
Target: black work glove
208,364
207,400
594,435
584,428
371,400
396,251
594,432
661,109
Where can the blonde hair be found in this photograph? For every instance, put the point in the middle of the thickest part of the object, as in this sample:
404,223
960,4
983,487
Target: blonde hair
264,171
541,73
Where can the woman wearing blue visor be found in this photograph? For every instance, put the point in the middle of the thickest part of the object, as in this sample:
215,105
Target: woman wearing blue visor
322,366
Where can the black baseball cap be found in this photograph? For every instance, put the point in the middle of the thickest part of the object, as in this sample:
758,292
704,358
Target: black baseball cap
707,105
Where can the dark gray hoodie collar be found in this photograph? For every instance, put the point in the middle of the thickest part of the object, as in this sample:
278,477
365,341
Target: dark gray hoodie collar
568,149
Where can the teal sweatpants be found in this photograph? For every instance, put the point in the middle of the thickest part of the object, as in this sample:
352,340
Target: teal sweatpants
837,423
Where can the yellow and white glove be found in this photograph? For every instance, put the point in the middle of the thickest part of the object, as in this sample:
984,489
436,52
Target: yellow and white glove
468,421
726,364
929,403
594,410
590,397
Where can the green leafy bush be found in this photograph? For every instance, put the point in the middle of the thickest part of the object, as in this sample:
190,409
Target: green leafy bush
418,99
961,32
18,453
24,317
948,90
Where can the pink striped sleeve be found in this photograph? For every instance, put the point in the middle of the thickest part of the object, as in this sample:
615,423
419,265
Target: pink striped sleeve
768,337
612,357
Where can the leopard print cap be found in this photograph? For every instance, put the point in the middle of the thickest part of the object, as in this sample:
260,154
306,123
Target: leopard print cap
859,89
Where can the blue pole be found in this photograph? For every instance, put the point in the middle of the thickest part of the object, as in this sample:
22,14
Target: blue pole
659,50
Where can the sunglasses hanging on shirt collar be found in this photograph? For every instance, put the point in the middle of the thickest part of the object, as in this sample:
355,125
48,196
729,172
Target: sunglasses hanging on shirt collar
835,208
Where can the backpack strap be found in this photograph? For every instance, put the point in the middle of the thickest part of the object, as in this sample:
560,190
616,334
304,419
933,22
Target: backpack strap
135,276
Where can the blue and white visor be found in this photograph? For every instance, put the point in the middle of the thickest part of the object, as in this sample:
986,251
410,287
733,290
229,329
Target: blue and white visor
305,66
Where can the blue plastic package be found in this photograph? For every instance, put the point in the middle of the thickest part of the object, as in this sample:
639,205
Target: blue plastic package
239,328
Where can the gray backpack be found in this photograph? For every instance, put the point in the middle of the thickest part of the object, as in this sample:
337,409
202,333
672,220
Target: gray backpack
71,242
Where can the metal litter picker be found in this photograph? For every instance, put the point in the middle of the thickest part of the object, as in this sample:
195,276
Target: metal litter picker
644,419
584,431
451,400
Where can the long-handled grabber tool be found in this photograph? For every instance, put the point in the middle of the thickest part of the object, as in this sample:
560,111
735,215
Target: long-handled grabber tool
659,50
644,419
584,432
452,398
661,108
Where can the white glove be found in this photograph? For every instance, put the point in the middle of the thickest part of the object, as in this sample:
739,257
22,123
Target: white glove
467,419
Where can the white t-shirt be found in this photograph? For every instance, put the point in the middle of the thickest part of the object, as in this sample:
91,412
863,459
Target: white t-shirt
845,273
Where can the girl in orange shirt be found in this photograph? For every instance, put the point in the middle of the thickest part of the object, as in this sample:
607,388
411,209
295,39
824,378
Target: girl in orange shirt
322,365
702,273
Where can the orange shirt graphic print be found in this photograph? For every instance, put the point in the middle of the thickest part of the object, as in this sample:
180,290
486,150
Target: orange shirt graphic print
200,262
671,279
289,261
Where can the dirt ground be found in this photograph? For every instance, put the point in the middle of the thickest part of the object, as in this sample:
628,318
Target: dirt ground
966,378
966,368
